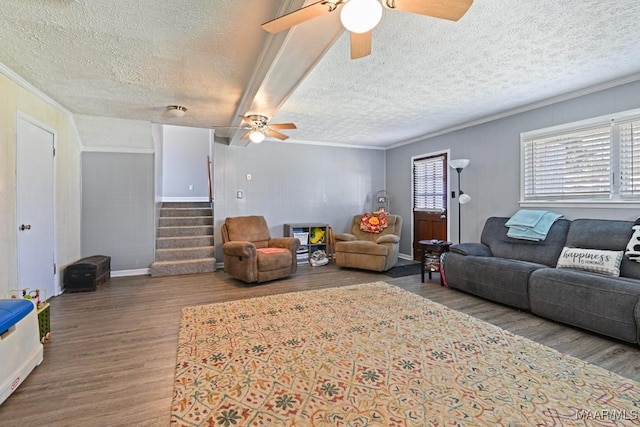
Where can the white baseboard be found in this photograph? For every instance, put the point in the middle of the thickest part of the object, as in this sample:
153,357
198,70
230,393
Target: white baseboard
405,256
124,273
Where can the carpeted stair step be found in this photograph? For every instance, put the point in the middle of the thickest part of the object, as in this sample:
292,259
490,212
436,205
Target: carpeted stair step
172,212
186,205
176,254
183,231
177,221
190,266
183,242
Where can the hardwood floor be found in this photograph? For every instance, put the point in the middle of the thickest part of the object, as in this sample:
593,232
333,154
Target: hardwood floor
111,358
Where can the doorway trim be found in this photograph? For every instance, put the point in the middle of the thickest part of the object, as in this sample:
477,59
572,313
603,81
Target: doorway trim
447,153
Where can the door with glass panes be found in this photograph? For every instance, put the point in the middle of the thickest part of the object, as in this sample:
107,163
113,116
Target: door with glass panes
429,199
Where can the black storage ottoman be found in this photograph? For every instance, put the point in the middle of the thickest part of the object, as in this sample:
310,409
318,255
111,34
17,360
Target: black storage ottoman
87,273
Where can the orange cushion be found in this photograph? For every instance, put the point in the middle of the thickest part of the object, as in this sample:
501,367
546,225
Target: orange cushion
270,250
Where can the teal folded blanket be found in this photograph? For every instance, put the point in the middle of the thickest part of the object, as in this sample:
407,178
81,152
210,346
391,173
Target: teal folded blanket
531,224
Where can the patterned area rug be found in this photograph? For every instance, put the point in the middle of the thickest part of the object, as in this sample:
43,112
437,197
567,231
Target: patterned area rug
376,355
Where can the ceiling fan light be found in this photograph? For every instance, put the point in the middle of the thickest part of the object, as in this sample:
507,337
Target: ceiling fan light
360,16
257,137
177,110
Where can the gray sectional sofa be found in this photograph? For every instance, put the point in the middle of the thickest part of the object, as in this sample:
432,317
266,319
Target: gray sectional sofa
523,274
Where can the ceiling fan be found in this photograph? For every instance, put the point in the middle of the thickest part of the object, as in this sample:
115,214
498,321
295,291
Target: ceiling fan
359,17
258,128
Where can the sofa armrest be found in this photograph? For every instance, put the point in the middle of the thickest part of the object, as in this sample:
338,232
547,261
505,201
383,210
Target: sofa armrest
290,243
388,238
475,249
344,236
239,248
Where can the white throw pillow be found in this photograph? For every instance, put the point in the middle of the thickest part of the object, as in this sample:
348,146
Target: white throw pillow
596,260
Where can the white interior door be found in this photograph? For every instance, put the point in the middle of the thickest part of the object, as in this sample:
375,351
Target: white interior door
35,206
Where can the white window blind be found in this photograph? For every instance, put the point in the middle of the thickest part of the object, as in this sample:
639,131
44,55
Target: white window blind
429,183
630,159
573,164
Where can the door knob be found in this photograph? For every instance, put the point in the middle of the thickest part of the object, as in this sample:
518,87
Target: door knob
25,227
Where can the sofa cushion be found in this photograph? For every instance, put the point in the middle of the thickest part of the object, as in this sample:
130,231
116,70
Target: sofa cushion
394,226
499,279
546,252
273,259
595,260
592,301
607,234
248,228
471,248
362,247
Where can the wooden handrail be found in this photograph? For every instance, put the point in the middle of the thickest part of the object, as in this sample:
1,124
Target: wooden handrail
209,180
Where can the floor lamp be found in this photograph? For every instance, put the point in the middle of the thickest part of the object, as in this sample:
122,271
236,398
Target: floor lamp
459,165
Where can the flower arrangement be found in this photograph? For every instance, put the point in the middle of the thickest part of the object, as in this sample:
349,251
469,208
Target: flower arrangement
374,222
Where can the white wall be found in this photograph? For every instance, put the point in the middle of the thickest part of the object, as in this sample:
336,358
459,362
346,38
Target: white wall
18,95
184,163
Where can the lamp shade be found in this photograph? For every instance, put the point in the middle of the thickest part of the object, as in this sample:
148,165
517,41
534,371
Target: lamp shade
464,198
459,163
257,136
360,16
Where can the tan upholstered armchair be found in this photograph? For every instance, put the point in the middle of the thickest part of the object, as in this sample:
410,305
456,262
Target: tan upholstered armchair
251,255
369,250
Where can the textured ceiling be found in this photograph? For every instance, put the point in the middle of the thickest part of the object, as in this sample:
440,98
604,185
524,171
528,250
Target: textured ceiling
132,59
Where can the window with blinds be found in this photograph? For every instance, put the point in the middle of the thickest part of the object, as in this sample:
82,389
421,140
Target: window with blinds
630,159
568,165
598,159
429,183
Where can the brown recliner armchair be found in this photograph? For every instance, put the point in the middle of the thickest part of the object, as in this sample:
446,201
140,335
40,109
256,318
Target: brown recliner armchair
251,255
369,250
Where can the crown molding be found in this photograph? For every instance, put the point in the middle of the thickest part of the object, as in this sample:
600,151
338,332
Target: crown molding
534,105
31,88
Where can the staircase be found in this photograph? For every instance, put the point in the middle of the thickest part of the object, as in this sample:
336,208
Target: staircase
184,243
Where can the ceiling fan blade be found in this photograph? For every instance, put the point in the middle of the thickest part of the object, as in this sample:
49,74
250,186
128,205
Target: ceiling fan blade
299,16
361,44
246,119
282,126
445,9
273,133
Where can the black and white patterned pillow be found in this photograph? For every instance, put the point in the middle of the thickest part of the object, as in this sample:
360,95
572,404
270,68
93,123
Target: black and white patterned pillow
633,247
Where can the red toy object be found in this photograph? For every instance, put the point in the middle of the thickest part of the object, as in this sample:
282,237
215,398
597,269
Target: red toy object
32,295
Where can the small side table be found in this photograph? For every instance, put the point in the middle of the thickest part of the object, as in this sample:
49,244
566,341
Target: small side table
431,251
